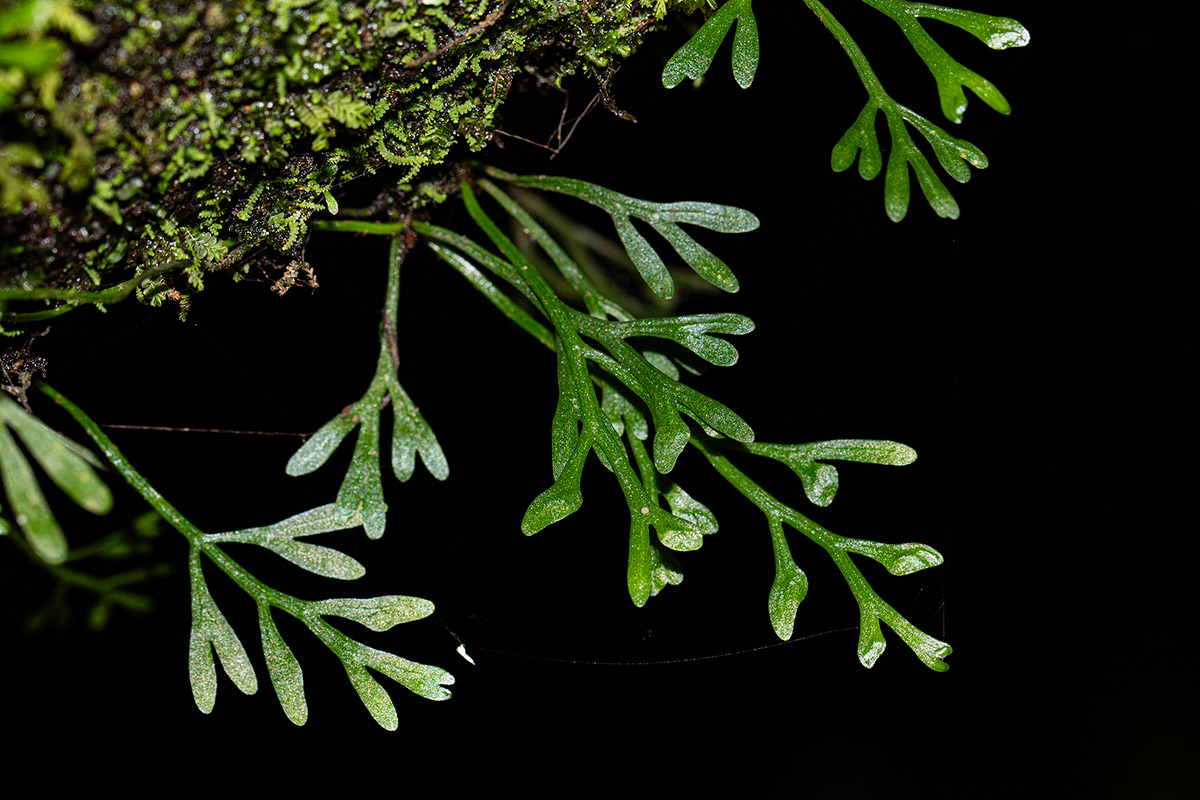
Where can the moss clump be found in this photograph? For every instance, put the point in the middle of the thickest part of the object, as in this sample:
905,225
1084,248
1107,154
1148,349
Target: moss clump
138,134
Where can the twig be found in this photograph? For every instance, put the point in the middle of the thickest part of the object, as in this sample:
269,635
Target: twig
488,22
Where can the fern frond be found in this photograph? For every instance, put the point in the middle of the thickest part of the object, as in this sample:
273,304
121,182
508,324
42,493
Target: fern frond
361,494
68,465
950,152
640,391
665,218
999,33
211,631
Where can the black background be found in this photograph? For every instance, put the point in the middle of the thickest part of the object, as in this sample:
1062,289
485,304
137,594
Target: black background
971,340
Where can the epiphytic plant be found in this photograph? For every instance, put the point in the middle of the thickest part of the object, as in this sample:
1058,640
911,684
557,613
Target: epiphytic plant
130,167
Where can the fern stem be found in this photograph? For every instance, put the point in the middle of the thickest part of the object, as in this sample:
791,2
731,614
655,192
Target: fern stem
112,294
167,511
558,313
489,290
391,306
109,295
123,467
587,291
867,75
358,226
774,510
261,592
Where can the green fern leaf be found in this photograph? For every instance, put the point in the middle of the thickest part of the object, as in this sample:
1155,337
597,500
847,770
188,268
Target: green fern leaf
66,463
211,631
665,218
284,669
694,58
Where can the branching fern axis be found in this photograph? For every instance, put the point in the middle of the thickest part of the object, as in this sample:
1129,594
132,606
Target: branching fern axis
211,631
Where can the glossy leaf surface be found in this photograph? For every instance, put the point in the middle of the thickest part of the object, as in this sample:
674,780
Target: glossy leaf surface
820,480
694,58
951,78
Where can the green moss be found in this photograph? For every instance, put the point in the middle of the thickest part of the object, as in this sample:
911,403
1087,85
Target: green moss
195,131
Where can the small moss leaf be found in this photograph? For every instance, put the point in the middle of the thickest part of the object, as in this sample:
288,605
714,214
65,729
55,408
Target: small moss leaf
331,203
695,57
377,613
284,669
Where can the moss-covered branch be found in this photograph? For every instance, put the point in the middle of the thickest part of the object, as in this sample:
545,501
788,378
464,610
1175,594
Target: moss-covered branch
136,134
